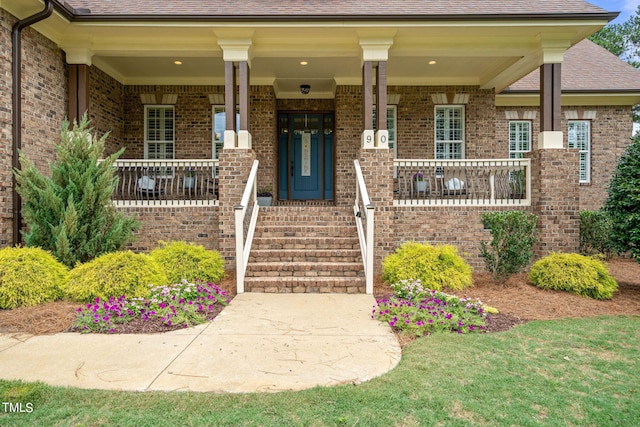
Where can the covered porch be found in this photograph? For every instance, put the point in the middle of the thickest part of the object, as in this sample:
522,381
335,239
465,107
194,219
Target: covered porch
408,94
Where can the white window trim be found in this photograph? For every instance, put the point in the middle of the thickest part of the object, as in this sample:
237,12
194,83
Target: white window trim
463,131
520,122
587,157
146,130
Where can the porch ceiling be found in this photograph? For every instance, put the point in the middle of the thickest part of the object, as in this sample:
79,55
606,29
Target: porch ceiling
491,54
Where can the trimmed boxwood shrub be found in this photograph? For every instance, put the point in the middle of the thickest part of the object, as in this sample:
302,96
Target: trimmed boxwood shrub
573,273
435,266
182,260
113,275
29,276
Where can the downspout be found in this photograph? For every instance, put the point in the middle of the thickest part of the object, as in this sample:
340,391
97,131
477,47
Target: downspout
16,76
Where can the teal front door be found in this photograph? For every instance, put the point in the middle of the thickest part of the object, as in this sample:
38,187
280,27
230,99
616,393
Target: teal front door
305,157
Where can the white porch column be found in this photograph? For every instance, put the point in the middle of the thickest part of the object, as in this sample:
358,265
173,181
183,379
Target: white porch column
375,50
551,136
236,52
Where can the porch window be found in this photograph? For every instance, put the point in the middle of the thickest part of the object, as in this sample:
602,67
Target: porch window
449,128
579,137
519,138
159,131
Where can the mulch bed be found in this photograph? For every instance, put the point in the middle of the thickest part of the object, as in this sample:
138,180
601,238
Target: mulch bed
517,300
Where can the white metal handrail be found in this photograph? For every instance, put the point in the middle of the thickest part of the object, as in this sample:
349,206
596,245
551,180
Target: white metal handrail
248,204
364,212
479,182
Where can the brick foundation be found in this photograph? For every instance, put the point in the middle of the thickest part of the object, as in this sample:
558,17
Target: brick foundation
191,224
235,165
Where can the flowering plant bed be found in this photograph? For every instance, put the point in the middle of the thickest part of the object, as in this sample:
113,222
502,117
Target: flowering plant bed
172,307
417,311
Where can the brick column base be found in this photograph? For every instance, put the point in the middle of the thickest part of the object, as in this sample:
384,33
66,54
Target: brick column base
555,199
233,172
377,170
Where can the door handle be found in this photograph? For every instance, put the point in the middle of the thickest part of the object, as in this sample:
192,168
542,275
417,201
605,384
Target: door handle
292,168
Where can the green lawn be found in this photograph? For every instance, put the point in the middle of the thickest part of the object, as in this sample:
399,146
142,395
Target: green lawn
572,372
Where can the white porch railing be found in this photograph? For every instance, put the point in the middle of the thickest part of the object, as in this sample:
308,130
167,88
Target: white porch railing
495,182
246,217
166,182
364,212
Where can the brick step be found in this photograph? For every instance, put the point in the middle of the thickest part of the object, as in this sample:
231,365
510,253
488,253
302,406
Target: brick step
279,243
305,255
304,230
305,269
287,216
306,284
307,221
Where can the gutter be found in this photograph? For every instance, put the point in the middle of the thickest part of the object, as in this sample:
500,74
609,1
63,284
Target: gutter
16,128
85,16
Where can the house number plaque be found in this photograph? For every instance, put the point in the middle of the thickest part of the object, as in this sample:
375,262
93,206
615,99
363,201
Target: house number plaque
306,154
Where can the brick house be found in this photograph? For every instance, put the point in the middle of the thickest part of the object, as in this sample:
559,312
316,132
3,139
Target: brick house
489,106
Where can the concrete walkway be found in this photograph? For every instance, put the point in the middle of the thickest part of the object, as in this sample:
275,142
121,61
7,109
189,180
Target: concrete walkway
260,342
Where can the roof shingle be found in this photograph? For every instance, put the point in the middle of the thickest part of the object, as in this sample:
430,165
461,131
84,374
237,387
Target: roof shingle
588,67
271,8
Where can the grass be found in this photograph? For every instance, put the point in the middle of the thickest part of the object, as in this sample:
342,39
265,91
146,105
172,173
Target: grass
570,372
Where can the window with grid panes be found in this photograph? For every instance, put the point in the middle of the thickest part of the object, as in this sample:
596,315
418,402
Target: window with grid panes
579,136
449,132
519,138
159,132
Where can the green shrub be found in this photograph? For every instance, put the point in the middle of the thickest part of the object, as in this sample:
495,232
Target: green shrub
29,276
573,273
70,213
511,247
595,233
188,261
623,203
113,275
435,266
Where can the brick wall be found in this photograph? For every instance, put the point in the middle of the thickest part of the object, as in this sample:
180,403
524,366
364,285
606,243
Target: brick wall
555,198
459,226
6,200
610,134
234,168
191,224
348,122
193,115
44,106
416,111
106,108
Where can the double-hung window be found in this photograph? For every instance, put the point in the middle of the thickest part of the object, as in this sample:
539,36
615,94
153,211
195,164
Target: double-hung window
449,128
159,132
219,126
519,138
579,136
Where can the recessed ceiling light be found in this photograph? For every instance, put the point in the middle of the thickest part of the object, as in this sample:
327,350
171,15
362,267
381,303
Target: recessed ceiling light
177,62
303,63
432,62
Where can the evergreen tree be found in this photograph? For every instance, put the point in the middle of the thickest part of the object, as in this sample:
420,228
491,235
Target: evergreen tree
71,213
623,203
623,40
